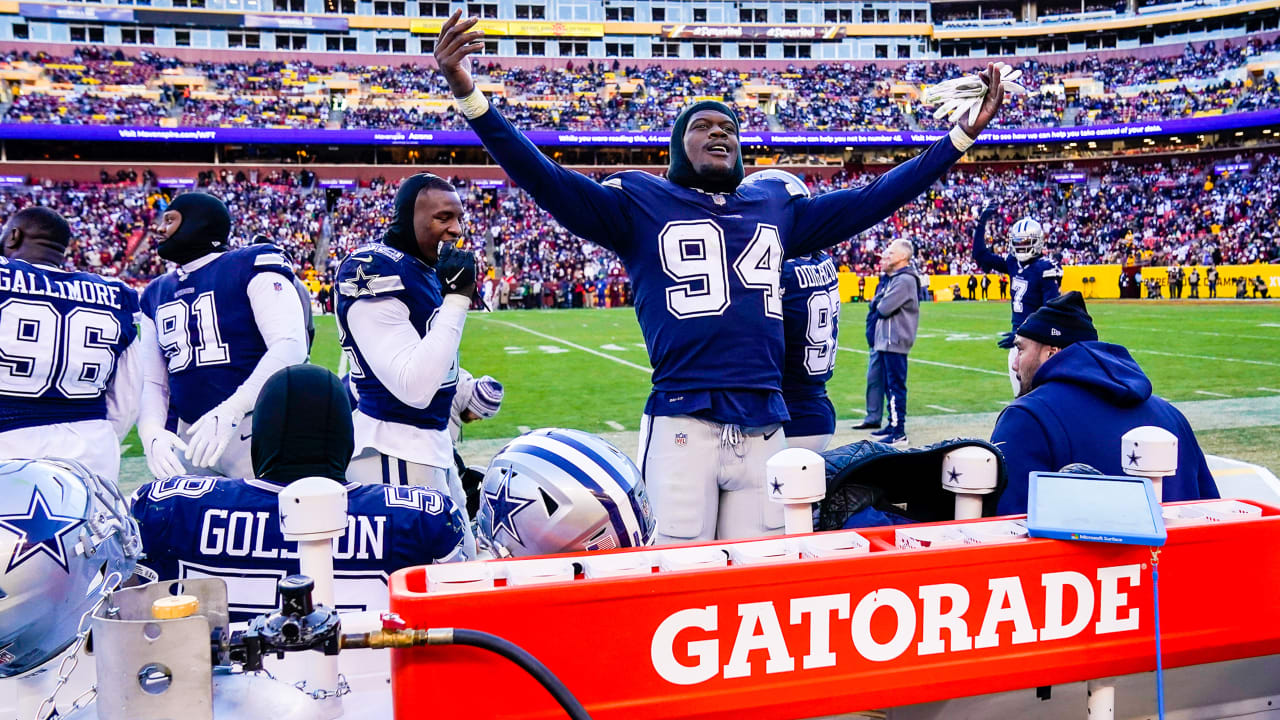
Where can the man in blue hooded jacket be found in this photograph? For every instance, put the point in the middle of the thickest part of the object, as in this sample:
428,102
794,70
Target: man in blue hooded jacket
1078,396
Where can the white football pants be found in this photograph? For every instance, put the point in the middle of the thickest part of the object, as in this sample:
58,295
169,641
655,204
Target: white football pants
373,468
816,443
706,480
92,443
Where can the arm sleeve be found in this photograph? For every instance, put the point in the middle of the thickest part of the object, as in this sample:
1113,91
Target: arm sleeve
153,402
410,366
124,393
277,311
901,289
583,206
834,217
982,255
1051,277
1026,449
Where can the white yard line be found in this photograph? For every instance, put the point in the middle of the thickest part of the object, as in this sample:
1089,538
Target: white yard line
523,429
615,425
1205,357
575,346
943,409
1211,393
1270,390
939,364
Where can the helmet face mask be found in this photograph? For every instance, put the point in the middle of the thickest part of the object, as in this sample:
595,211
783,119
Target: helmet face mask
1026,239
66,536
554,491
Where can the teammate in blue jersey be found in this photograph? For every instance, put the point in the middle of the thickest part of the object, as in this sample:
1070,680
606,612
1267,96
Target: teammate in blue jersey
230,528
1033,278
705,258
213,331
810,319
401,307
70,368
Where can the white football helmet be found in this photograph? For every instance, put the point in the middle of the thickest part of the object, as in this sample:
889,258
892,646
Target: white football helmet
64,534
795,185
553,490
1027,239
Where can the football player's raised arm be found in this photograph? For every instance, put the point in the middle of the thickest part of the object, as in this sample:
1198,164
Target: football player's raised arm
982,255
124,394
834,217
412,367
583,206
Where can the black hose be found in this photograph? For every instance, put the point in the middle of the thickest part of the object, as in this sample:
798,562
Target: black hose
528,663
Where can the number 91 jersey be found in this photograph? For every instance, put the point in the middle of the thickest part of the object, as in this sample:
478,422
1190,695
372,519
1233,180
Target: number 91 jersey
61,334
206,328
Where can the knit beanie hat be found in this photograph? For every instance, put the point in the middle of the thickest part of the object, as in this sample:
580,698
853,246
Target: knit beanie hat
682,172
1060,322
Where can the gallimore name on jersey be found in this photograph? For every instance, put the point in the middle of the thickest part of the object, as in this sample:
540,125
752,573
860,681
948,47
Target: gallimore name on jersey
96,292
937,615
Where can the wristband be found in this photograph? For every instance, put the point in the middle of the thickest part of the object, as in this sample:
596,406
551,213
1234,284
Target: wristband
959,138
473,105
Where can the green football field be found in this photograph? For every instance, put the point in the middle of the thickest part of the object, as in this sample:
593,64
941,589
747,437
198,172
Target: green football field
588,369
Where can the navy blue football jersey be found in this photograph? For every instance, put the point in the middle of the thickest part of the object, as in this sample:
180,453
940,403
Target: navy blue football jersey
706,267
206,328
217,527
1030,285
381,271
61,335
811,315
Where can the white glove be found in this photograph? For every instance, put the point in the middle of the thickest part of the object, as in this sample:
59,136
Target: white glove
957,96
161,448
212,433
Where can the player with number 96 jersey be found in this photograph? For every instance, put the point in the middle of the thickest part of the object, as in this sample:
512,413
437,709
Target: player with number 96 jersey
70,370
811,317
214,329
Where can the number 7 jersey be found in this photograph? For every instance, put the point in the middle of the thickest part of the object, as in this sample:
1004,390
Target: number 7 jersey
61,336
206,328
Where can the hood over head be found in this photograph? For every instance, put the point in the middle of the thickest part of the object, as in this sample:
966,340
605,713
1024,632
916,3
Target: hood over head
682,172
205,228
302,426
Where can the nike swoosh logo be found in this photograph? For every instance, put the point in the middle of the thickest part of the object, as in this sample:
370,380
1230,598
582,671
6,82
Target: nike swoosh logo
456,276
769,435
246,437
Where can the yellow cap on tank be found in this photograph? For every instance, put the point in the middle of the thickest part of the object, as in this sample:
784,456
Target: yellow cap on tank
174,607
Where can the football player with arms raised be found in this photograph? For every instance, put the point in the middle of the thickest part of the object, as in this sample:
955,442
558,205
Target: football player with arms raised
705,259
214,329
402,304
70,369
1033,277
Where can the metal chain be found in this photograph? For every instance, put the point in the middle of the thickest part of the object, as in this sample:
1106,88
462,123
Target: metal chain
322,694
68,665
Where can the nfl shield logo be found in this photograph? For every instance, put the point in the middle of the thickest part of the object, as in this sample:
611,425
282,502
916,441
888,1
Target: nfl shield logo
279,287
681,439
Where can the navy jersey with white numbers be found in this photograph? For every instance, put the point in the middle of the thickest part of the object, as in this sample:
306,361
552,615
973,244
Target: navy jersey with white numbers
811,314
61,335
1030,285
380,271
705,267
205,326
218,527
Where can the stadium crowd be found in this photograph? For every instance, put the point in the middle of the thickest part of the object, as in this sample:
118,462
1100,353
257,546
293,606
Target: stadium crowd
1162,211
598,96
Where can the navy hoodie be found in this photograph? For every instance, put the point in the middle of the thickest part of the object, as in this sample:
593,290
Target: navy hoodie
1082,400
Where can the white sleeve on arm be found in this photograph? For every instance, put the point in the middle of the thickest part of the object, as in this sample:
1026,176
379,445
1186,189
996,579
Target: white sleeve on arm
277,311
410,366
153,403
125,390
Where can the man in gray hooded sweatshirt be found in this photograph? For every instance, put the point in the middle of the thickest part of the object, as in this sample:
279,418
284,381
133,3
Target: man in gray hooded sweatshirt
897,309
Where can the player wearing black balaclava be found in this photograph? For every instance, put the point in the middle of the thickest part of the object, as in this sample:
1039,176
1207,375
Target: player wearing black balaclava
214,329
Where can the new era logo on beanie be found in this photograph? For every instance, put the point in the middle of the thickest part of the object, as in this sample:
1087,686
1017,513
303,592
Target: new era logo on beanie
1060,322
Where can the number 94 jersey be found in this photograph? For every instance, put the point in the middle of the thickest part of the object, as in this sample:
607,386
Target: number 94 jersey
61,335
206,328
